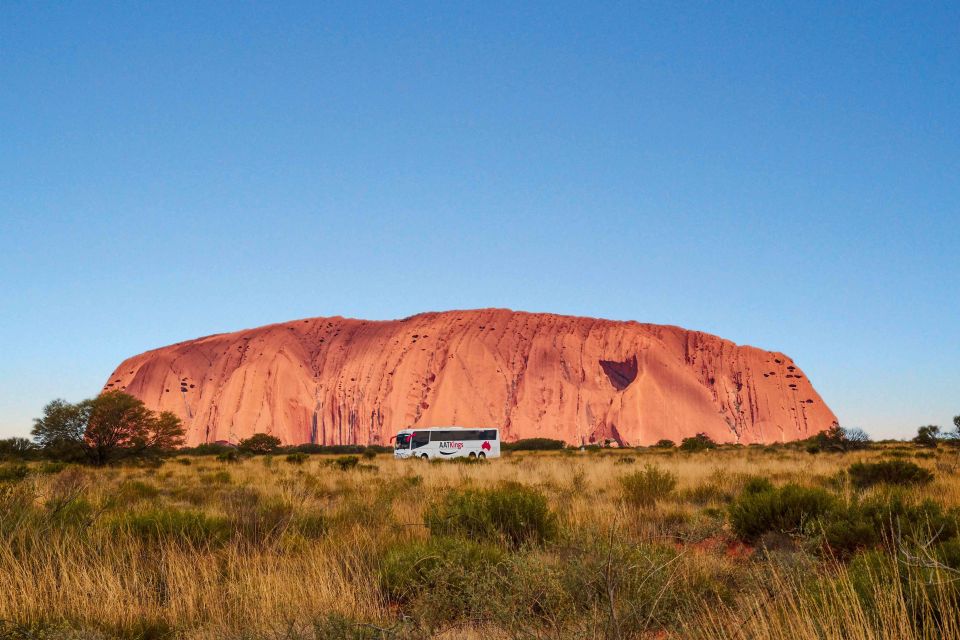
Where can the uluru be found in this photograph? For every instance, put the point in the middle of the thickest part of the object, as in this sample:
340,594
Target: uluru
582,380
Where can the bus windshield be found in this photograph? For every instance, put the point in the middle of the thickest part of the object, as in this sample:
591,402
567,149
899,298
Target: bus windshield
403,441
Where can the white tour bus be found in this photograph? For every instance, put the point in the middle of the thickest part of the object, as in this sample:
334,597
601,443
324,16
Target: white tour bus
438,443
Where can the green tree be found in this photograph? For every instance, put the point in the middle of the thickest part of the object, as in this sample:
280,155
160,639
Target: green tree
16,448
928,436
260,443
699,442
112,426
59,433
837,438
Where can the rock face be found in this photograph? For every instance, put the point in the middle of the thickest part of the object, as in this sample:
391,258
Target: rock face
338,381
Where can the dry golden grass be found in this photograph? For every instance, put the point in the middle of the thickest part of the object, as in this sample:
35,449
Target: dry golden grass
73,562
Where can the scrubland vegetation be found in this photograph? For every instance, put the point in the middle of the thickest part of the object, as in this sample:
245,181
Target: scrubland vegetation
730,542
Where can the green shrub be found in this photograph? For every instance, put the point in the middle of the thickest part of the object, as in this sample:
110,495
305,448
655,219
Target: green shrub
894,472
510,513
256,519
230,456
206,449
73,512
218,477
645,488
463,460
173,525
706,493
14,472
345,463
442,578
533,444
369,453
786,510
757,484
311,525
638,584
133,491
51,467
665,444
931,591
297,458
337,627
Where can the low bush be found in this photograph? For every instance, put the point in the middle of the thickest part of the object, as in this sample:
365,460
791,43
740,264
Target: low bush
133,491
340,449
173,525
533,444
889,520
256,519
757,484
207,449
665,444
707,493
230,456
345,463
893,472
511,513
297,458
310,525
75,511
644,488
786,510
441,579
218,477
463,460
14,472
51,468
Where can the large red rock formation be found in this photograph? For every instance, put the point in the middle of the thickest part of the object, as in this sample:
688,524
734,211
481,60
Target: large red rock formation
338,380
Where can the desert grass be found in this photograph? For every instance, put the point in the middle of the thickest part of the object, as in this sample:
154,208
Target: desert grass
270,548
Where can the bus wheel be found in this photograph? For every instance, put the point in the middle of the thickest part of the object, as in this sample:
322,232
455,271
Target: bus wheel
482,455
424,457
473,455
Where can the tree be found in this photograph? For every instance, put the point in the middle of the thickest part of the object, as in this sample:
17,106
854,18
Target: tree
953,437
59,433
856,438
665,444
112,426
928,436
698,442
260,443
118,422
16,448
166,432
836,438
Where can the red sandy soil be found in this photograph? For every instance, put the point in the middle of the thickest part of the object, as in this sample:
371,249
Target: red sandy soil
338,381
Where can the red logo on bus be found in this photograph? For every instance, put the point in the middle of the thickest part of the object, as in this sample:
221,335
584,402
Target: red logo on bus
485,445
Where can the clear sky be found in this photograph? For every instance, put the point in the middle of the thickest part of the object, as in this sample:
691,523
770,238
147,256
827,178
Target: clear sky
783,176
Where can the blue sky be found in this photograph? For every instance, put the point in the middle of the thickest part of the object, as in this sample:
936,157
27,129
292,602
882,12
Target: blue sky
783,176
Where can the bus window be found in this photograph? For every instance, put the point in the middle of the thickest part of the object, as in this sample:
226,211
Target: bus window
420,438
403,441
489,434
